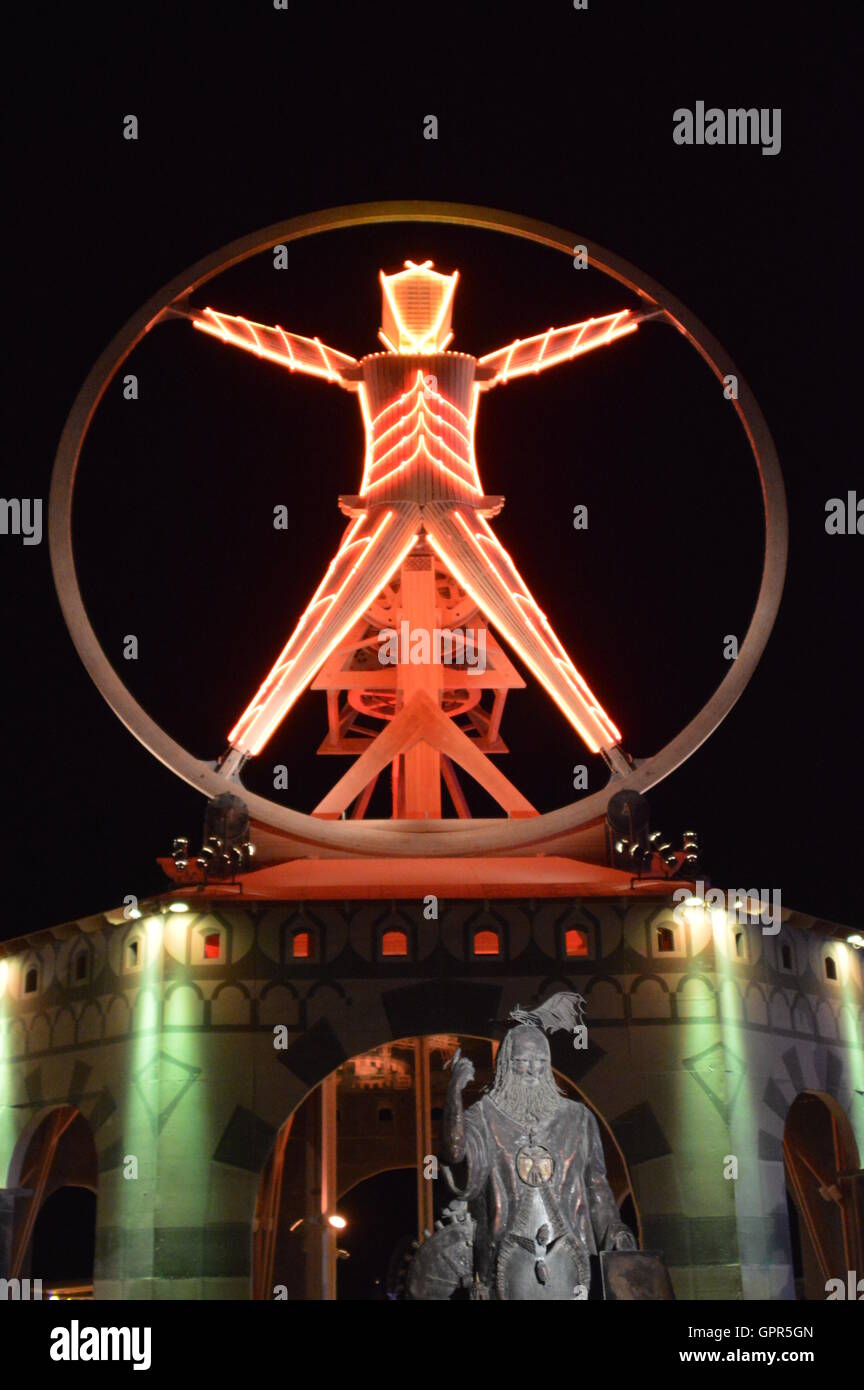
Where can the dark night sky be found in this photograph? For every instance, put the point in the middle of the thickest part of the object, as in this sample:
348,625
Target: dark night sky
249,115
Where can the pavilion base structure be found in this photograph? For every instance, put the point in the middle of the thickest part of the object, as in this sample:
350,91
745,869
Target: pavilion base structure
310,1044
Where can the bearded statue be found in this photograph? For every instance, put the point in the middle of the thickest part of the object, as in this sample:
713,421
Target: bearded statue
527,1169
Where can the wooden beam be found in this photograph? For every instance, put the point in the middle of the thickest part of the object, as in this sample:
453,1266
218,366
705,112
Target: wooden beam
420,719
457,795
361,805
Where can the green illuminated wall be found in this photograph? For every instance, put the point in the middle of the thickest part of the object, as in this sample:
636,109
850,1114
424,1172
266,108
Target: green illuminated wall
695,1055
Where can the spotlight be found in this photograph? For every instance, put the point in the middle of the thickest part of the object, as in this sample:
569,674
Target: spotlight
856,940
178,907
338,1221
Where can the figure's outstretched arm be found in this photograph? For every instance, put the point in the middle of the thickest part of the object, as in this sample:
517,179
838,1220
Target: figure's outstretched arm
527,355
274,344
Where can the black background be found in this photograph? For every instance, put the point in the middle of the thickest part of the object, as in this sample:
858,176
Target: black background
249,115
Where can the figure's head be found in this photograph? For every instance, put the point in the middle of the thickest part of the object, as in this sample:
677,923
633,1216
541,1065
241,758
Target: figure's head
524,1084
417,303
529,1054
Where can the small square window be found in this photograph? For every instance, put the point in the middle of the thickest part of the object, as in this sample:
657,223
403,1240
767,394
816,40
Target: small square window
786,956
301,945
212,946
81,967
31,981
830,968
486,943
575,943
739,944
133,955
394,943
665,939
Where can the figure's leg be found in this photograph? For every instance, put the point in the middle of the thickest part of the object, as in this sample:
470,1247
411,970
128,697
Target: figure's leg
472,552
372,549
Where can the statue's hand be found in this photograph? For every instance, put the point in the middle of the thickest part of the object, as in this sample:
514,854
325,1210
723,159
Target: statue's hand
462,1071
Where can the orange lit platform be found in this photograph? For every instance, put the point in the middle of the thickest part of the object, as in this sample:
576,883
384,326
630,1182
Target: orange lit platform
541,876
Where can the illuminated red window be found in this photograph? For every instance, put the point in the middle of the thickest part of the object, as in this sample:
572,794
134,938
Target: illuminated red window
212,946
486,943
575,943
394,943
301,945
665,939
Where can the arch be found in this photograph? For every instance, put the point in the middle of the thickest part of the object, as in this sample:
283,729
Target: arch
275,1231
187,984
184,1007
230,1005
280,984
63,1032
826,1020
730,1001
780,1011
279,1003
334,986
118,1015
826,1185
696,997
55,1150
605,999
39,1037
755,1004
802,1016
650,997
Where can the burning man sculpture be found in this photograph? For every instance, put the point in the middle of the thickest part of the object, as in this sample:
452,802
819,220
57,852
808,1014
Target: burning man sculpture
529,1165
419,405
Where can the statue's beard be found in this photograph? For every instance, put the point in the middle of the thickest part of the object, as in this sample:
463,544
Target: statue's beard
526,1104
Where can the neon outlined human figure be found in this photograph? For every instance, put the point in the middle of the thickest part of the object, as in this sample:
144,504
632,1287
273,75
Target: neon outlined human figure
420,477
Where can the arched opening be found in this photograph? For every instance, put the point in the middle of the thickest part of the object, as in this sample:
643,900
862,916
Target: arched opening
380,1217
825,1188
55,1233
64,1241
370,1132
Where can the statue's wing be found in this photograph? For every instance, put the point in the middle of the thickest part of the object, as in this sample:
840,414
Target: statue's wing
559,1011
527,355
274,344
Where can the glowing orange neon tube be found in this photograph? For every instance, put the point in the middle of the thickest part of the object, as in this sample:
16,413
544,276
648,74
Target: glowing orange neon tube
362,567
527,355
298,354
503,597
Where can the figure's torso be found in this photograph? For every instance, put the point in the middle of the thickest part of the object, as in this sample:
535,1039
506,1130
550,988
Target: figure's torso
419,414
536,1204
